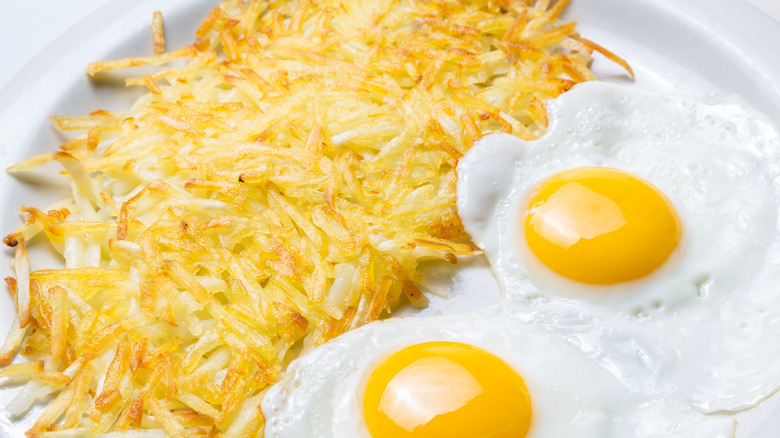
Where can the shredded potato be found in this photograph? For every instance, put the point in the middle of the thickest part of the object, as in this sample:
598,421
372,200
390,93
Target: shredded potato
280,188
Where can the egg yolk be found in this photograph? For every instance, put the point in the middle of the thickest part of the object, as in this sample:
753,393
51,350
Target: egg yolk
446,389
600,225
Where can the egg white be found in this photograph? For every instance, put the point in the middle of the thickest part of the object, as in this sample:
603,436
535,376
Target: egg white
703,327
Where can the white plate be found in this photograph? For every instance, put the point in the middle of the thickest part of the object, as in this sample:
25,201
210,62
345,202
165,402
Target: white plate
719,45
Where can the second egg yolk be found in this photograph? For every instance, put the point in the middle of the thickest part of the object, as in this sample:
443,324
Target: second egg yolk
601,225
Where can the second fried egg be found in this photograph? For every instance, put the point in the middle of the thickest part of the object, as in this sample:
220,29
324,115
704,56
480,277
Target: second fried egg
642,225
633,200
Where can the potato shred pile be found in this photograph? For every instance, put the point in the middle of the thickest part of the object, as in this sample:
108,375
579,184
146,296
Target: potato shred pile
278,185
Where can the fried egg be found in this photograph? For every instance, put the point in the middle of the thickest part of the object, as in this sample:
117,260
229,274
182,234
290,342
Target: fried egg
643,228
485,373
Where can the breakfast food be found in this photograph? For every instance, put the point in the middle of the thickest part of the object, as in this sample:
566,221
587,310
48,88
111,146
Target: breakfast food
708,308
278,189
680,328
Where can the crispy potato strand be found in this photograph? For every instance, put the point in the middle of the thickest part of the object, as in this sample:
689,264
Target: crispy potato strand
157,33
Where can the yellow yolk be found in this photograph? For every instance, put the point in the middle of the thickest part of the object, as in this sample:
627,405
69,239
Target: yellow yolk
601,226
446,389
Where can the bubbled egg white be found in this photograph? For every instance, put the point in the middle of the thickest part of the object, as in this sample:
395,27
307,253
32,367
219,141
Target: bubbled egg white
321,394
703,325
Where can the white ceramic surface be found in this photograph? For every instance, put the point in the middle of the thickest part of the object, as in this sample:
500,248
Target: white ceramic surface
722,45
